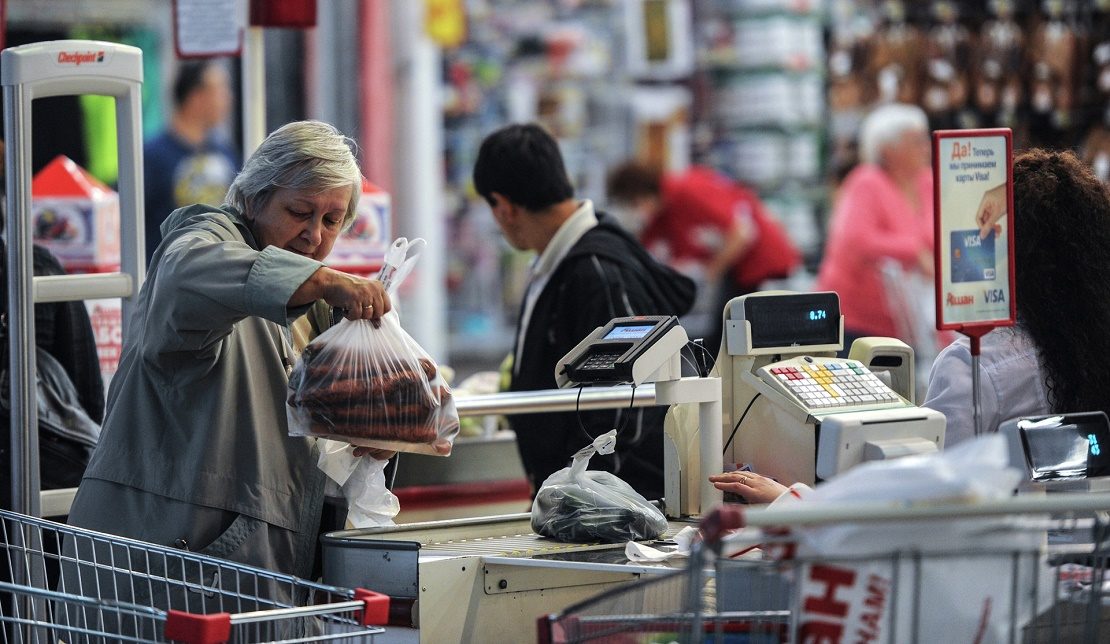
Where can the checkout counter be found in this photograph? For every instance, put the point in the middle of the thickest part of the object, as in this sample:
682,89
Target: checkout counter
488,579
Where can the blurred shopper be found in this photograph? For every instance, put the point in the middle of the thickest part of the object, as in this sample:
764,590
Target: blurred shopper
588,270
1054,359
195,451
884,211
705,224
189,163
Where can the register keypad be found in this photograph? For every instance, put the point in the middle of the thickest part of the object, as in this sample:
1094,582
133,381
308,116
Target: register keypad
822,384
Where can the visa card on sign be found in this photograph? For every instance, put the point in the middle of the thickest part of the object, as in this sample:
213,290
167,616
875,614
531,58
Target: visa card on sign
972,256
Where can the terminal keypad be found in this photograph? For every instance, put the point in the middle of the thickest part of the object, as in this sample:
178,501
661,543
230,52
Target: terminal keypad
826,384
601,361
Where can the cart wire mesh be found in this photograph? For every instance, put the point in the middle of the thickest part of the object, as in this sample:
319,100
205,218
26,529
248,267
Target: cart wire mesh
59,583
1048,587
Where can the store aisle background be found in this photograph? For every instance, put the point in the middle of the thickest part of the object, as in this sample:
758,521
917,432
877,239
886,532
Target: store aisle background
769,91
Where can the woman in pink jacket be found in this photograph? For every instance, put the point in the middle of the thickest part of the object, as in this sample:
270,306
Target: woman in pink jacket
884,211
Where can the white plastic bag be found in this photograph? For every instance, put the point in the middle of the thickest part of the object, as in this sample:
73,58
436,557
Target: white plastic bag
373,386
971,593
361,479
582,506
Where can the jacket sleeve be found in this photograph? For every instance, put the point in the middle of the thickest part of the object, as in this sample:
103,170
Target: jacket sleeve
206,281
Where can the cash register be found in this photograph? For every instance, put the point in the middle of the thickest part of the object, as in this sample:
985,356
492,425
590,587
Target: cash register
796,412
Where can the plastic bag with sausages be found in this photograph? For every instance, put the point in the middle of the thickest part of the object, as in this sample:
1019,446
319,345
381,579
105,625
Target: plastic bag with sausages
372,386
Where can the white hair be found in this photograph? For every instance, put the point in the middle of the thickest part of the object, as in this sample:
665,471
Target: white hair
885,125
303,155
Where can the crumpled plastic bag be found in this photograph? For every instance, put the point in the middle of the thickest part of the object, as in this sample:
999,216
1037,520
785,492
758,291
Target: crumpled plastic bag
581,506
361,480
966,588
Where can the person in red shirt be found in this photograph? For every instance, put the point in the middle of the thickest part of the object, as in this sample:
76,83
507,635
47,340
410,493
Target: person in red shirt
707,225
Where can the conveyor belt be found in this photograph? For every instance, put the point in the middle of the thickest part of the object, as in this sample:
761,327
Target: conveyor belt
504,536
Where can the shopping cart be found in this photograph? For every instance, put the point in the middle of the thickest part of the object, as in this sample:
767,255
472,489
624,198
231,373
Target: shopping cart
1049,586
64,584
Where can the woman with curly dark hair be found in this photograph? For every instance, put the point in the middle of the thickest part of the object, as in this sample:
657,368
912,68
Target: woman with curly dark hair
1057,357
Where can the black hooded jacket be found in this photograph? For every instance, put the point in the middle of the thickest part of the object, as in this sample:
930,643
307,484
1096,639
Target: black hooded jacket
606,274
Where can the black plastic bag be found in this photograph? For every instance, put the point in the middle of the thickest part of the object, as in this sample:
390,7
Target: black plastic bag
581,506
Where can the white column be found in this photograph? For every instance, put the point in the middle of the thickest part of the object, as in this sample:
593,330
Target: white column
418,175
252,64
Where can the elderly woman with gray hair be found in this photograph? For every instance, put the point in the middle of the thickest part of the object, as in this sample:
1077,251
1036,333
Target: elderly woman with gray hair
884,209
194,451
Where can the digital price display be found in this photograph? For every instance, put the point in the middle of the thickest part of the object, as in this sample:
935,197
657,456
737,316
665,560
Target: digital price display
802,319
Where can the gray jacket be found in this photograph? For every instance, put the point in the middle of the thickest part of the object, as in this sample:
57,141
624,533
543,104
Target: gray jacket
196,411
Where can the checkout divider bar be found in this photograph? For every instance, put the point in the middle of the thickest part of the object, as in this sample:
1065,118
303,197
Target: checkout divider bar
553,400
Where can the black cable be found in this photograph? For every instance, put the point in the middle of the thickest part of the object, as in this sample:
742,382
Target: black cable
578,413
712,358
693,364
742,417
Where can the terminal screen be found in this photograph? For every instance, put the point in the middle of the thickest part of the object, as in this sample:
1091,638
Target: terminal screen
629,332
1067,447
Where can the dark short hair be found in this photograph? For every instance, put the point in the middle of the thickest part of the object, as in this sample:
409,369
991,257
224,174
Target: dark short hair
190,77
523,163
633,180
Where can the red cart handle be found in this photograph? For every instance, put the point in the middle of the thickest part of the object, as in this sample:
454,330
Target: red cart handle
721,520
376,612
197,629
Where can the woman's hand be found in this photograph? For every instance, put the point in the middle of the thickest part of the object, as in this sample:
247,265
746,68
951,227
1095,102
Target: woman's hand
360,299
755,488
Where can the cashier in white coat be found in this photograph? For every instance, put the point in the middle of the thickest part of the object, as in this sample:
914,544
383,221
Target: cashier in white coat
195,451
1057,357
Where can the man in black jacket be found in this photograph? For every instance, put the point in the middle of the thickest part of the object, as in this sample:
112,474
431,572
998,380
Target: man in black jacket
588,270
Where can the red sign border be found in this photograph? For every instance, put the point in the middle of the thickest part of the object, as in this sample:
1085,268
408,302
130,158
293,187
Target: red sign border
939,136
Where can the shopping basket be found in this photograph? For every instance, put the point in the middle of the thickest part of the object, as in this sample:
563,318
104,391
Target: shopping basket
66,584
1047,587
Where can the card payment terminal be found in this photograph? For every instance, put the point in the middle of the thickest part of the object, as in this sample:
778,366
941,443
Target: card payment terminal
626,350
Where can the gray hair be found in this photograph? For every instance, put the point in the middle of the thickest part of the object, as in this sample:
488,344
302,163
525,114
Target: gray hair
302,155
885,125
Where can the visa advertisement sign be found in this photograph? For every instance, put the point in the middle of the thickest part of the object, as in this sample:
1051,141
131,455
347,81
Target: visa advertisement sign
972,170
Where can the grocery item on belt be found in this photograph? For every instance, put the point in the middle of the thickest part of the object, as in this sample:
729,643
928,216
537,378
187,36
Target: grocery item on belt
581,506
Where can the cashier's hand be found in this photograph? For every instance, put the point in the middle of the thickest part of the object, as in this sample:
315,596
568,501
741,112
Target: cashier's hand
755,488
380,454
992,208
